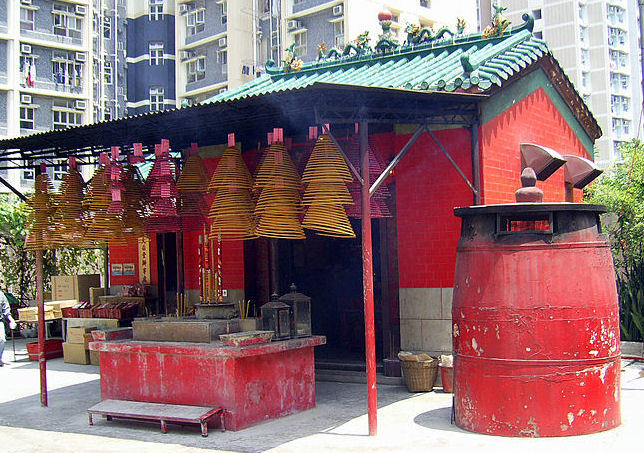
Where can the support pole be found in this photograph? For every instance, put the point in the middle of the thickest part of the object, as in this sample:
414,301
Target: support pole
41,328
367,281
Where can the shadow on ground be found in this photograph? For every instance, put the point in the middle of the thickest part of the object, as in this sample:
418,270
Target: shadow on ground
337,403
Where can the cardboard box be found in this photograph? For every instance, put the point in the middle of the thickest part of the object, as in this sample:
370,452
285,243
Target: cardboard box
122,333
76,335
59,305
30,314
67,287
94,357
87,339
94,294
75,353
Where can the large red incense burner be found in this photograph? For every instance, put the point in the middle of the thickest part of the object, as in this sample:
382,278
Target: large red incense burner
535,322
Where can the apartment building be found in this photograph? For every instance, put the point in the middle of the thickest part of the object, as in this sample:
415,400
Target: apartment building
150,56
62,63
222,44
597,44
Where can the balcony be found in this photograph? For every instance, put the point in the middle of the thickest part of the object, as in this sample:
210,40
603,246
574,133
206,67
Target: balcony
51,37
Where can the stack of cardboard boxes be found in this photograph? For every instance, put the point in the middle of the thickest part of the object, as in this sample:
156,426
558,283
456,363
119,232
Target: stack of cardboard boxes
76,349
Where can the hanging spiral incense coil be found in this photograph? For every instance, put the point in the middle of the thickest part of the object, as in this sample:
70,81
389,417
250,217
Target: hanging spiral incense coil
278,212
231,172
193,176
231,210
135,202
69,230
277,163
162,192
378,199
326,176
100,225
326,163
41,208
328,220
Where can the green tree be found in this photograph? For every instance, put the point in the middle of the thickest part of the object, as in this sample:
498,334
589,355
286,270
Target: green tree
621,189
18,267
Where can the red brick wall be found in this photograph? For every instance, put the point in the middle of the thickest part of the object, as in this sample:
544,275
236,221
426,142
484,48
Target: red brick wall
130,254
428,188
534,119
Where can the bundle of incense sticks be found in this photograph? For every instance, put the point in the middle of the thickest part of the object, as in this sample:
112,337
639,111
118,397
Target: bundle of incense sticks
243,309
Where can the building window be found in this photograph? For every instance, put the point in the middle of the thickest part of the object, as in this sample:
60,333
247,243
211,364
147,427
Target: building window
224,12
26,18
107,27
585,79
425,3
155,9
26,117
196,69
60,168
195,21
538,34
156,53
300,44
28,173
156,99
66,22
583,35
107,112
583,13
338,34
107,70
222,59
65,70
65,114
585,57
536,13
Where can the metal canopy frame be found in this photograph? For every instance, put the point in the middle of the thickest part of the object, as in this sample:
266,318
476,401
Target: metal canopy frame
249,118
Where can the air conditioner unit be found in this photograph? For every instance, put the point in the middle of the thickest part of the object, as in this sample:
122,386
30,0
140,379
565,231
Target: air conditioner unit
80,56
81,10
81,105
222,90
183,9
25,48
222,42
25,99
293,24
337,10
25,2
186,54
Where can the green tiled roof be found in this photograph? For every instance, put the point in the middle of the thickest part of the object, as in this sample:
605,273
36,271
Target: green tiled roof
465,63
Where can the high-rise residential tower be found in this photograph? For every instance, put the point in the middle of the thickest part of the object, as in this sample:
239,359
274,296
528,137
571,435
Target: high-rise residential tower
596,42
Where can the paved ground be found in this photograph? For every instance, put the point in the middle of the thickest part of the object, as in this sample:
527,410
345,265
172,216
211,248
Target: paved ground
407,422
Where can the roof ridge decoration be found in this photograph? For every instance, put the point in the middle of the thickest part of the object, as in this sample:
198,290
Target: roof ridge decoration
418,39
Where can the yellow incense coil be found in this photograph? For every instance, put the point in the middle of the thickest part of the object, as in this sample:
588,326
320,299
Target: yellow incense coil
41,209
328,220
193,177
231,172
326,163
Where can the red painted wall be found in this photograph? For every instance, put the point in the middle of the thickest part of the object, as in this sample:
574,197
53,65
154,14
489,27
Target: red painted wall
428,188
534,119
130,254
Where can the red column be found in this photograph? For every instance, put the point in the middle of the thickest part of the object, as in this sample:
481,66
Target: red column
41,329
367,279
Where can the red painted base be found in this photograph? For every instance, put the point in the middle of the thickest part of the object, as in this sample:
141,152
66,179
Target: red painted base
252,383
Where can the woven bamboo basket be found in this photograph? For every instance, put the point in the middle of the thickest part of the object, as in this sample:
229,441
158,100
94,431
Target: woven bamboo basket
420,376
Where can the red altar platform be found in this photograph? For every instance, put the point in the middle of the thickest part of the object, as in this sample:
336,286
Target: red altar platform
252,383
